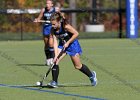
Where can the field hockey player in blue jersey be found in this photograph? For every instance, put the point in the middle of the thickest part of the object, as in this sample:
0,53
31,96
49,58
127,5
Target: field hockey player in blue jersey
67,36
44,16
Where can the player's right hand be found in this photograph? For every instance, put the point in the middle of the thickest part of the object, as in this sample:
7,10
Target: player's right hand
55,59
36,20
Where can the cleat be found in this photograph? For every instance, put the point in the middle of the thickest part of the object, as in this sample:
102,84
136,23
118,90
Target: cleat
93,79
52,84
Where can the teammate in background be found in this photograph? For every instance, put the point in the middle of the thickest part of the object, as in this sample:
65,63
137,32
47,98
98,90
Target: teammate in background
45,15
67,37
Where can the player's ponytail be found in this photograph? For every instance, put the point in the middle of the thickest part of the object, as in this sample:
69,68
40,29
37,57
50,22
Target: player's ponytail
63,19
59,17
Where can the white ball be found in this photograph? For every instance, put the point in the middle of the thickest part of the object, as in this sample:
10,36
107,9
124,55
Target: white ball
38,83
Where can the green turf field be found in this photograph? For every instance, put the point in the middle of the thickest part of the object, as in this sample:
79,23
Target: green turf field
116,61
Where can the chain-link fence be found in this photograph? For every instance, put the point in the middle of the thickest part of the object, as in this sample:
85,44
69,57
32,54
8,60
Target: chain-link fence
20,26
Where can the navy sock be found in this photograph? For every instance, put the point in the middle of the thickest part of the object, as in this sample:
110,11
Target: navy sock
55,72
47,53
51,52
84,69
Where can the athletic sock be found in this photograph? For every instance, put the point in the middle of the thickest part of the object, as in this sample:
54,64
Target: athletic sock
84,69
55,72
46,50
51,52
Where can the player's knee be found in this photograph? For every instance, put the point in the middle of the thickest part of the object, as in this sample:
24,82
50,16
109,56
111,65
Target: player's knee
50,37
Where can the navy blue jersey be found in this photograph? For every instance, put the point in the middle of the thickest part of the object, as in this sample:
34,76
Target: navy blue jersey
47,14
63,35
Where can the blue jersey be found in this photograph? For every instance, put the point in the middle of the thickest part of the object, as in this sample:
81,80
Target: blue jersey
46,16
63,35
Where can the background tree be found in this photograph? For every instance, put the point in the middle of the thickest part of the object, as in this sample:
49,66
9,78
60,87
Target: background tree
82,18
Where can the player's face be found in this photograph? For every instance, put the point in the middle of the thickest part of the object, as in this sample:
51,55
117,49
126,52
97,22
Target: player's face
49,4
55,24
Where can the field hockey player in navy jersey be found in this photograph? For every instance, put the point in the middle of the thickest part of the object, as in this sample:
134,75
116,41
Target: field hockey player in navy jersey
44,17
67,36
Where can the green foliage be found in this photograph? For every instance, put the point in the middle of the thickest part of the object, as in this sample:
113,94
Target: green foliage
2,5
123,3
81,3
109,3
65,5
82,17
34,3
112,3
9,4
2,19
29,3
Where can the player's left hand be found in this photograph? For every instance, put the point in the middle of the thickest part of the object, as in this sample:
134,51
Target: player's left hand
66,45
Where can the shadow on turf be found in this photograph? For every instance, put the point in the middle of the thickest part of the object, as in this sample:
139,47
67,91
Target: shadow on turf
31,65
74,85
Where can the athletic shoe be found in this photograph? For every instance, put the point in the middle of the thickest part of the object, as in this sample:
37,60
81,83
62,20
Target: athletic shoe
49,62
93,79
52,84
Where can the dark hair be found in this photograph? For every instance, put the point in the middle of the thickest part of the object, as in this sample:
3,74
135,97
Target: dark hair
58,17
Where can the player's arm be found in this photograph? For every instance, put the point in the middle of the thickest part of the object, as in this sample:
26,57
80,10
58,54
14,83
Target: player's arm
55,45
74,33
40,15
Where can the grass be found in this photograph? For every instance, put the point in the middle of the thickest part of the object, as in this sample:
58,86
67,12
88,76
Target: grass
38,36
116,62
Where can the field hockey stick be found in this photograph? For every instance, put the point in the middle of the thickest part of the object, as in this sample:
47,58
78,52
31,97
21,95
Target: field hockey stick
40,83
41,21
32,19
